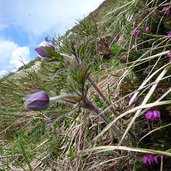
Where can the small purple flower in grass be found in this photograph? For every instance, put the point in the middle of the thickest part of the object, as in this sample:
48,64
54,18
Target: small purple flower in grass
169,34
44,47
169,54
166,10
150,160
37,101
147,28
152,115
136,33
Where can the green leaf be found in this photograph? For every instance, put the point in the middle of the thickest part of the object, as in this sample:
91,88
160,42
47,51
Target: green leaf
116,49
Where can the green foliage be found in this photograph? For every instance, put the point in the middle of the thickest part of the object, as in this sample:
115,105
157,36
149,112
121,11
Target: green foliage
116,49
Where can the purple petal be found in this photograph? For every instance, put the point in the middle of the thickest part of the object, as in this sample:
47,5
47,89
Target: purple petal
149,115
42,51
166,10
156,114
155,159
169,54
147,28
169,34
136,33
145,160
37,101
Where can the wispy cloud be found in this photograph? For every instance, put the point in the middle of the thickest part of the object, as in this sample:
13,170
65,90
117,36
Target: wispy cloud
12,56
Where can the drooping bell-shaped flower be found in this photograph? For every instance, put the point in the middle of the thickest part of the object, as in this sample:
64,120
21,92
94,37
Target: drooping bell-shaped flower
136,33
152,115
44,48
37,101
150,160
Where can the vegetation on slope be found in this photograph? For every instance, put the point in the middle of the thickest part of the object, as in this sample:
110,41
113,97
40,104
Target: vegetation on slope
111,76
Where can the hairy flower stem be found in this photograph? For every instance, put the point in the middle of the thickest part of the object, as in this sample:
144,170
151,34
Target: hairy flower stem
98,90
88,105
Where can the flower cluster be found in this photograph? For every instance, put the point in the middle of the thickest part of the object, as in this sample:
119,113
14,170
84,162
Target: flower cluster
150,160
152,115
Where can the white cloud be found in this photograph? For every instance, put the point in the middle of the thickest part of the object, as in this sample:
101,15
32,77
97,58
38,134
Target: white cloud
12,56
37,17
3,73
20,56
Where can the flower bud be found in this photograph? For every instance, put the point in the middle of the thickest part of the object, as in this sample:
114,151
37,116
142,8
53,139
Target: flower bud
136,33
147,28
37,101
44,48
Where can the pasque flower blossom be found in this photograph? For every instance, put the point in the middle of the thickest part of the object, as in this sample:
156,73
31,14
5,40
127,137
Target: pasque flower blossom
44,48
37,101
136,33
150,160
152,115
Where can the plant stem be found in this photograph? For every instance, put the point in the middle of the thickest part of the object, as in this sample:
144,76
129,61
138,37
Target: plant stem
88,105
99,91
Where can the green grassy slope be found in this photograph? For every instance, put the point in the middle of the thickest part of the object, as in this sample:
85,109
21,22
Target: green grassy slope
61,137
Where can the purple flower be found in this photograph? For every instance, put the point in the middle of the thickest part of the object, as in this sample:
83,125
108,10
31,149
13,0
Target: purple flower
169,54
152,115
150,159
136,33
147,28
169,34
37,101
166,10
44,48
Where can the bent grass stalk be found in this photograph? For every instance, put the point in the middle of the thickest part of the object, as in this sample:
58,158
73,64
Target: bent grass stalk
88,105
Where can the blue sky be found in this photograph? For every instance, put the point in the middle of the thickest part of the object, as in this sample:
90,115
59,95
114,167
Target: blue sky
25,23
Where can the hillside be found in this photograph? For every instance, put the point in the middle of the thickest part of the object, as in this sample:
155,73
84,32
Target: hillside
102,97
